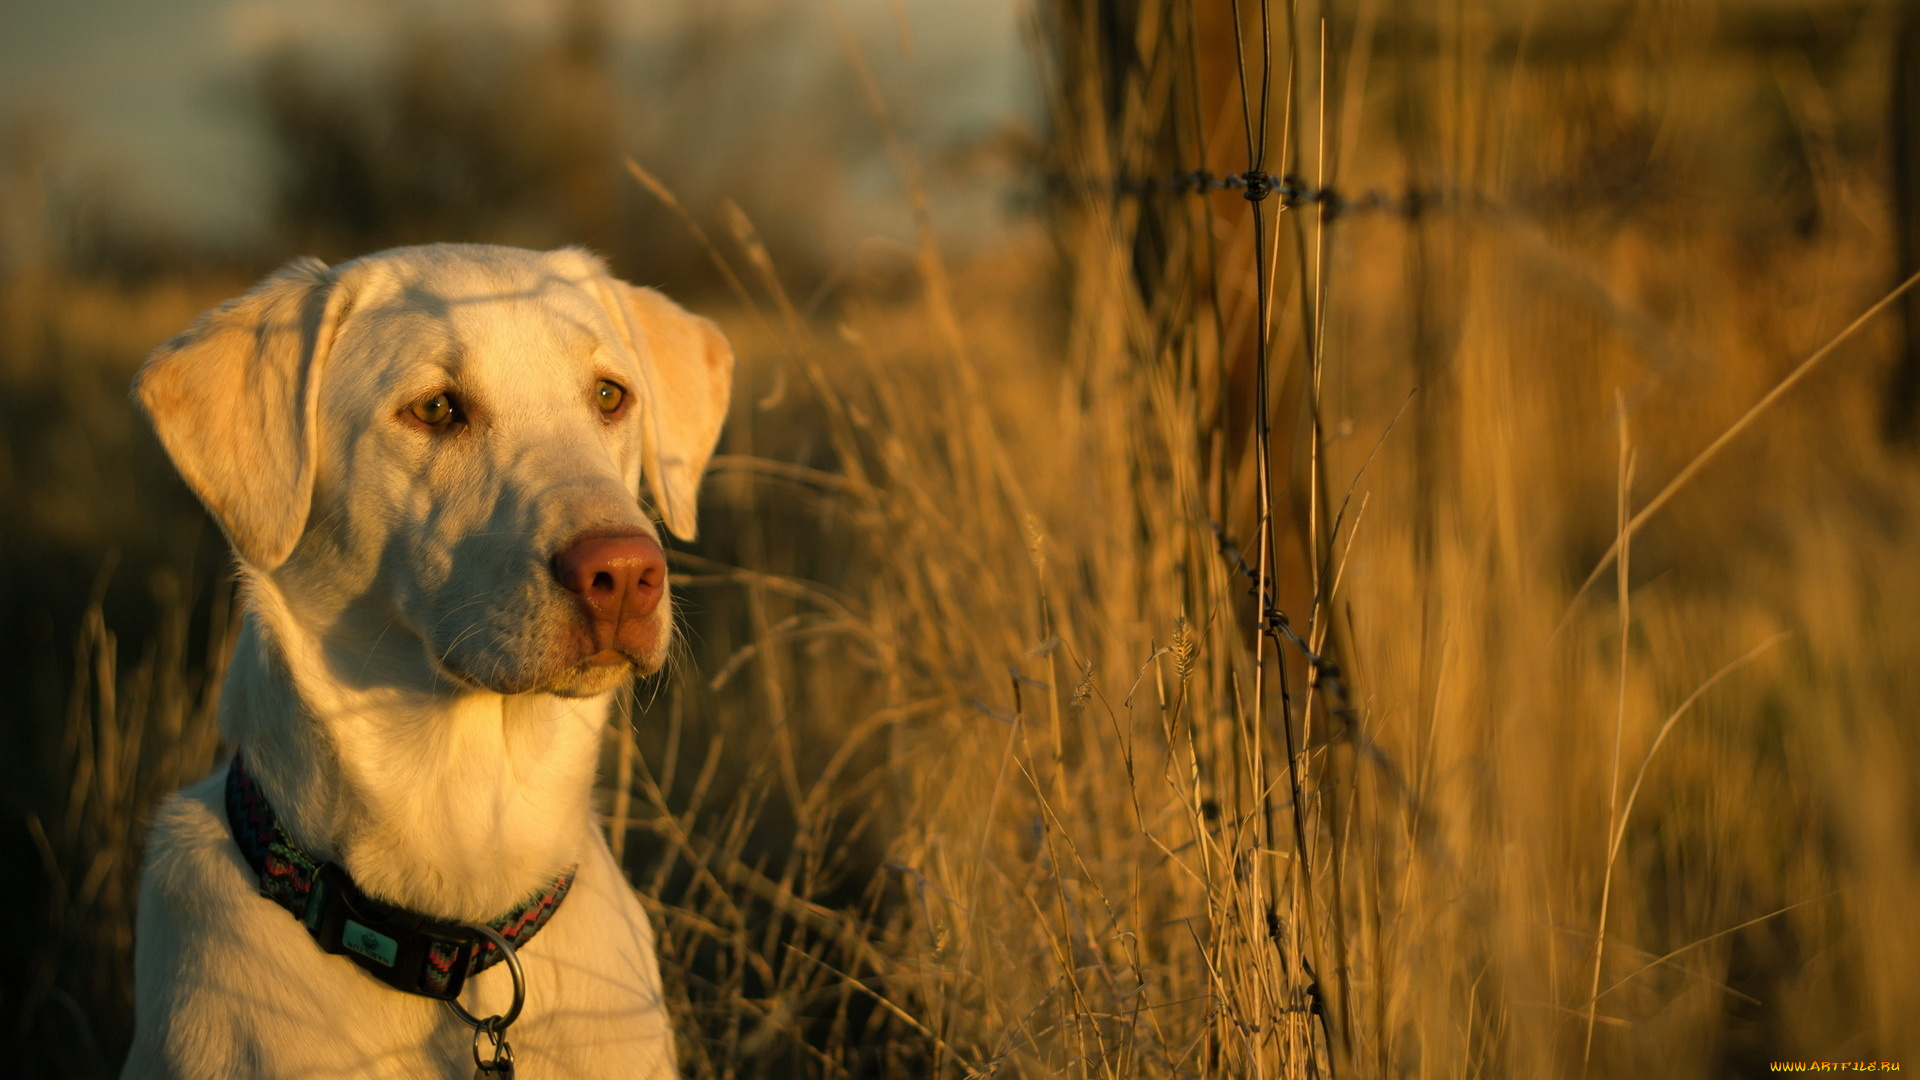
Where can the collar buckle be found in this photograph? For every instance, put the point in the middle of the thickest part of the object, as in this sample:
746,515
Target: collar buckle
403,949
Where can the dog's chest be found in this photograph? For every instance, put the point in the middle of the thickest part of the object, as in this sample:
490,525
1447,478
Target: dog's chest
257,997
593,1004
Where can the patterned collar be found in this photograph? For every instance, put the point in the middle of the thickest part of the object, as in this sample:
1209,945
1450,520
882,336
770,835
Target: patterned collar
404,949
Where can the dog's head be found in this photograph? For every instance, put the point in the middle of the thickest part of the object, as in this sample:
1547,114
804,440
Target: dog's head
448,443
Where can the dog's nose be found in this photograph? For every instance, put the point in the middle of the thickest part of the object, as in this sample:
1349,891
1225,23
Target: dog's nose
619,579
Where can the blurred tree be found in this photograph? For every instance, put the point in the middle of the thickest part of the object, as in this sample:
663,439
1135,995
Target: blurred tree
465,136
486,133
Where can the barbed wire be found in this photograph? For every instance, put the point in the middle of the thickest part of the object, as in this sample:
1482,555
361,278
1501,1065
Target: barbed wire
1274,622
1290,191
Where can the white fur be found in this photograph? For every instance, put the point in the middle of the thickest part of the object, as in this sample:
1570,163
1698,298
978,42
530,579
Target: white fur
410,685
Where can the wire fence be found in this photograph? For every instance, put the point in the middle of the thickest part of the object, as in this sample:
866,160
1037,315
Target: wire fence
1270,193
1289,191
1172,131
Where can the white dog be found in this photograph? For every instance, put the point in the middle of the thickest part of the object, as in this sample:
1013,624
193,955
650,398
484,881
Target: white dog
429,462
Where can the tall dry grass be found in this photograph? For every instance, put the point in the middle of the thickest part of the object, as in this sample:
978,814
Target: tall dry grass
132,735
990,757
1463,816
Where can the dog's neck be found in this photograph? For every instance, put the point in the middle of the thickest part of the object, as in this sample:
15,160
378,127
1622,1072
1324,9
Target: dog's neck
454,802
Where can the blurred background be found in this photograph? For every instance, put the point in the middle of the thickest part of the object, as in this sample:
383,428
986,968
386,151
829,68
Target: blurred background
1586,745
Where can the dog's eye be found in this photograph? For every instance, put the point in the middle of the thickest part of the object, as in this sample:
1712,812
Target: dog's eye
608,396
434,411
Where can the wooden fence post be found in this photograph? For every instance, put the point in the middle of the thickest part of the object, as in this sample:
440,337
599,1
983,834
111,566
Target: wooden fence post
1902,419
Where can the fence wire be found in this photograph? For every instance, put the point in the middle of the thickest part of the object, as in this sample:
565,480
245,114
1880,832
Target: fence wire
1289,191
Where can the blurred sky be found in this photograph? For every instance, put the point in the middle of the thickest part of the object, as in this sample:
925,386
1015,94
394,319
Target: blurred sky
152,94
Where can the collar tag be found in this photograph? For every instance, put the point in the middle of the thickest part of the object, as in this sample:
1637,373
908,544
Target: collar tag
369,943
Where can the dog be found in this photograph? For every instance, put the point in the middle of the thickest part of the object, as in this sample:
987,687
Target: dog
429,463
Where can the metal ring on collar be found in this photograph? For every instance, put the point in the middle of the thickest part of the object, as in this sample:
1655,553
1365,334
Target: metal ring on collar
497,1023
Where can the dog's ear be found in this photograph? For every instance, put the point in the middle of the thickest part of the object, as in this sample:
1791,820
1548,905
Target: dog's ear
688,365
233,401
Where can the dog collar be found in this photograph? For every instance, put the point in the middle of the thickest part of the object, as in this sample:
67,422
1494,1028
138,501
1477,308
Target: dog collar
404,949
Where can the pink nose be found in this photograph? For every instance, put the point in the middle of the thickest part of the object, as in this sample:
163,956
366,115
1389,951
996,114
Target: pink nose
619,581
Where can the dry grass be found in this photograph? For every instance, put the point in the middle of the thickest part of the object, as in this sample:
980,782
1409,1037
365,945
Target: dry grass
979,766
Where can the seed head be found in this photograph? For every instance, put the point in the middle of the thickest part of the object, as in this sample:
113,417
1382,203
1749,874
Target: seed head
1185,649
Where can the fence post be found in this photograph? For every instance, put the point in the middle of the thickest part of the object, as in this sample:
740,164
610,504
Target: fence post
1902,419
